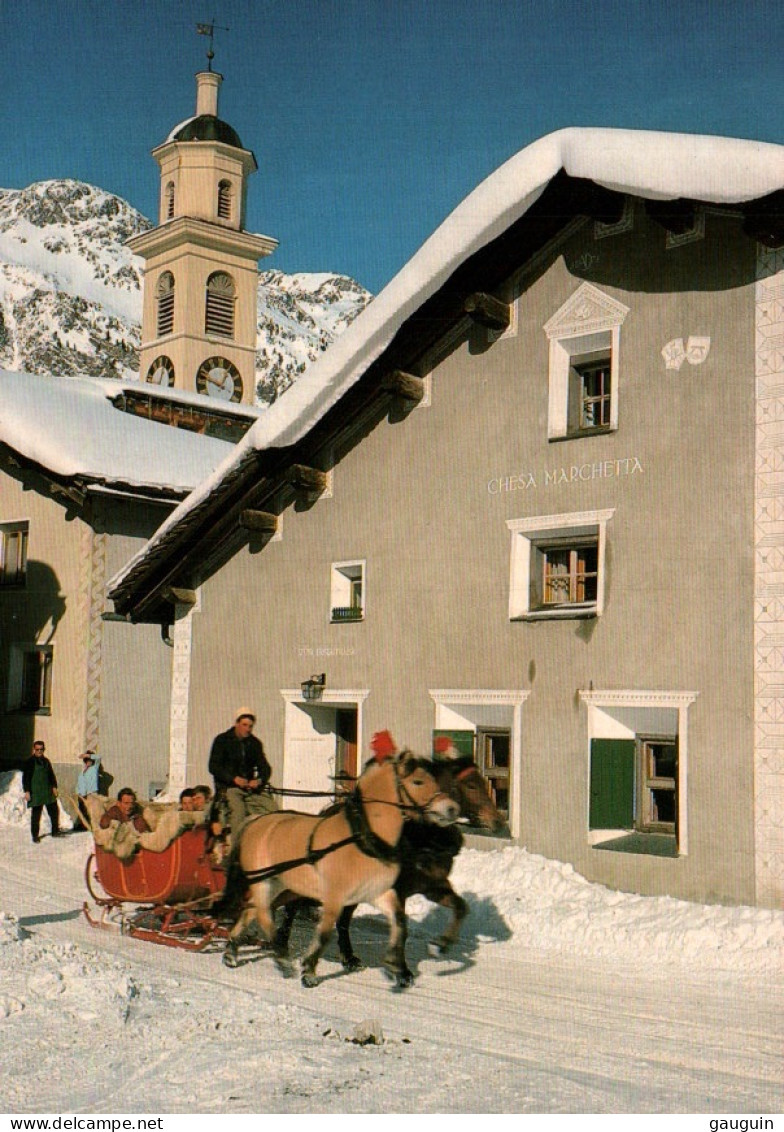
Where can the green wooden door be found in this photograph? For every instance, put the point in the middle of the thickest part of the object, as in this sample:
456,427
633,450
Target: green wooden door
612,783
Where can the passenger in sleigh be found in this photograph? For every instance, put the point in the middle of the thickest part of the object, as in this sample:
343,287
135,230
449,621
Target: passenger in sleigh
202,797
125,809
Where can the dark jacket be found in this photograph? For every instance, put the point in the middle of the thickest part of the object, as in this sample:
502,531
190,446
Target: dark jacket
136,818
27,777
231,757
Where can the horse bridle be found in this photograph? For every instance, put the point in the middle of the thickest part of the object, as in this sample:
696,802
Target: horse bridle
466,769
361,834
420,810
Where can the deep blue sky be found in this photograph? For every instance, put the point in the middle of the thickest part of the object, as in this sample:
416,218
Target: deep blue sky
370,119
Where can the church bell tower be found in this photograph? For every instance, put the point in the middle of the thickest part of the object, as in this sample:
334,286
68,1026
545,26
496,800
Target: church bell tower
201,266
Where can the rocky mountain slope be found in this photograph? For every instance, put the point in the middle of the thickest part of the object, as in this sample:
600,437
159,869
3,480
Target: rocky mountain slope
71,292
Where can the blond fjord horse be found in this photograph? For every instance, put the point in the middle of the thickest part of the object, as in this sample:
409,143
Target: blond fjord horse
339,859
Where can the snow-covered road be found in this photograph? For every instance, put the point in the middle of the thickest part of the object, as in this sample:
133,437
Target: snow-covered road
561,997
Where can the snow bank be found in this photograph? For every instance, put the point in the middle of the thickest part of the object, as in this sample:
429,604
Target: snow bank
548,906
13,807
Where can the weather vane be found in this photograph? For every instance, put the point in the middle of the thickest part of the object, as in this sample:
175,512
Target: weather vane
209,29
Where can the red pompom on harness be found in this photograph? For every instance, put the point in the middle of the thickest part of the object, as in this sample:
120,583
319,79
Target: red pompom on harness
382,745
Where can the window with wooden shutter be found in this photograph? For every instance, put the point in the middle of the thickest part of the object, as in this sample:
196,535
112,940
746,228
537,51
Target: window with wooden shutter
558,565
169,201
612,783
219,310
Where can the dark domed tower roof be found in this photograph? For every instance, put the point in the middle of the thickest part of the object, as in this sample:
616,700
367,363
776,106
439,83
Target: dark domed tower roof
206,127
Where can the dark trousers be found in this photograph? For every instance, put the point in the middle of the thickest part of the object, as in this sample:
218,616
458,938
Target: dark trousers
35,819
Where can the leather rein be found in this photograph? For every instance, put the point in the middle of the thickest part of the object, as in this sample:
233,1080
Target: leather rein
362,835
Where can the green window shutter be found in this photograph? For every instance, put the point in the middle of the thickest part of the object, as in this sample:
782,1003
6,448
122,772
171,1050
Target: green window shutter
463,740
612,783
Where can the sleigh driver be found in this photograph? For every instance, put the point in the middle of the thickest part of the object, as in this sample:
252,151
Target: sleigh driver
241,772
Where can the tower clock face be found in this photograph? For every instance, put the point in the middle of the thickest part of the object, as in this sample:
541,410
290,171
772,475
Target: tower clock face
161,372
218,377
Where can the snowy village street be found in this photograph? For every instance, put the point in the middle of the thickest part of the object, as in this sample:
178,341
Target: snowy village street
562,997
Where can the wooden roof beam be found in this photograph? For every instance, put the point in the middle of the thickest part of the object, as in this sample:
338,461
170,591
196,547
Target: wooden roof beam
404,385
604,205
311,482
487,311
764,220
263,522
675,216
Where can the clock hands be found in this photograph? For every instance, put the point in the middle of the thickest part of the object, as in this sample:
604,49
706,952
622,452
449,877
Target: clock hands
219,381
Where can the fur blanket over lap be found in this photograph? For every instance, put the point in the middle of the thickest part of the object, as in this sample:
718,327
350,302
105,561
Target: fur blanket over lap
121,838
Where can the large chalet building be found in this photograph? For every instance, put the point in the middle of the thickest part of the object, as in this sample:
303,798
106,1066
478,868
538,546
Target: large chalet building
533,499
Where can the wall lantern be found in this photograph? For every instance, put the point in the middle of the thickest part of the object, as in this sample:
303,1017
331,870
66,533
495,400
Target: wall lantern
313,687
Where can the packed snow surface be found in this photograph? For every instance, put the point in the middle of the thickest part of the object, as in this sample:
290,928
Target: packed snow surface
561,996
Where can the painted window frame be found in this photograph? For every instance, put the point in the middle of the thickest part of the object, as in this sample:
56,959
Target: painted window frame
479,709
344,605
19,680
633,701
585,329
15,579
531,538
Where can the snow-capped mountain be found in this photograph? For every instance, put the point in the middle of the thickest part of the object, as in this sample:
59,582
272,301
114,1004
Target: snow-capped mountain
71,292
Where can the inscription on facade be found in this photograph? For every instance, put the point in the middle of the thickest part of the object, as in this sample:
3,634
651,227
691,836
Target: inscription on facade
325,650
574,473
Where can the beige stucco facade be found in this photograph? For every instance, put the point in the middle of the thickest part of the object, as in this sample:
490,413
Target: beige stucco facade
432,507
109,685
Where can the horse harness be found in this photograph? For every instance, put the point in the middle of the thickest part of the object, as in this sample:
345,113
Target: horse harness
362,835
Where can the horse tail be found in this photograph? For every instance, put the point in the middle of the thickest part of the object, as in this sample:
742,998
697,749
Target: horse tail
235,890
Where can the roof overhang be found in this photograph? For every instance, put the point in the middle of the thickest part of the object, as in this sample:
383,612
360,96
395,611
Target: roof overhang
77,489
204,531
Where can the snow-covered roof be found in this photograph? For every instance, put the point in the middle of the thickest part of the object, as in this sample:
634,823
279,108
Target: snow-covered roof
69,427
652,165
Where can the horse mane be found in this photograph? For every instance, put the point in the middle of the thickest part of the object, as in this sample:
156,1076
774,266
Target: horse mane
411,762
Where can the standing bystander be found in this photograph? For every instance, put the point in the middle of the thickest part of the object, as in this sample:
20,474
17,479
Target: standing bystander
39,784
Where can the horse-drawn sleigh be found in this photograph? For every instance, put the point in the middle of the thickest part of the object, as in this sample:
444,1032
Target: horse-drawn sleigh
164,896
390,838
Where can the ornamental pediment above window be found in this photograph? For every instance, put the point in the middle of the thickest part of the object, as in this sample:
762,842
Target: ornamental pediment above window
584,312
